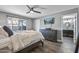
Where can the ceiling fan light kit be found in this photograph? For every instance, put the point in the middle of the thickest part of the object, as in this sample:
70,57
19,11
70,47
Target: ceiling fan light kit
31,12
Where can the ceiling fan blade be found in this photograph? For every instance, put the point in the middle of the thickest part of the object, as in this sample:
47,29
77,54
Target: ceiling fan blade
36,11
28,12
28,6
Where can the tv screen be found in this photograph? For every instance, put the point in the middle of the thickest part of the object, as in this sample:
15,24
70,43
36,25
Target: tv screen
49,20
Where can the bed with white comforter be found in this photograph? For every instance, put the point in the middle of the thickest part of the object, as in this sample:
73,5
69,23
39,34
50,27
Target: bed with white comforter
20,40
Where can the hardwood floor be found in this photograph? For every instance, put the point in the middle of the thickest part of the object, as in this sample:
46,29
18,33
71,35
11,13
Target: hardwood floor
53,47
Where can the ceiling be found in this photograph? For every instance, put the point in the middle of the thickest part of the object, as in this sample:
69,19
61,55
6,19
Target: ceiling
22,9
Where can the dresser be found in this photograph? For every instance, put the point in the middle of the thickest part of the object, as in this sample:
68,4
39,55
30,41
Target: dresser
49,34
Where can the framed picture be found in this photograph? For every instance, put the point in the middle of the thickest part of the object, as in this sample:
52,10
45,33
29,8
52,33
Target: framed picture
49,20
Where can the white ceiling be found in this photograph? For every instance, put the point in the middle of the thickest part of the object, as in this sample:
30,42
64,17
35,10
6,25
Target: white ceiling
22,9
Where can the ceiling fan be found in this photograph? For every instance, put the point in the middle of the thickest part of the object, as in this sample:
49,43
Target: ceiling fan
32,9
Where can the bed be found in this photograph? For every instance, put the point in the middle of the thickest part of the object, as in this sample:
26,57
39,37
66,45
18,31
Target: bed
21,40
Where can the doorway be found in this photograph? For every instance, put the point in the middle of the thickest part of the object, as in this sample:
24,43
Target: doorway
69,30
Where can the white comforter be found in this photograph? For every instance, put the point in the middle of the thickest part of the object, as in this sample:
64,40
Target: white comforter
23,39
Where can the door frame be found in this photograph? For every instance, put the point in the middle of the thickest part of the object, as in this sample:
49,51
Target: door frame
75,28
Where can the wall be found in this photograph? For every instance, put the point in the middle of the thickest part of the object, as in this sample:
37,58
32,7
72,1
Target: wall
29,25
3,19
42,25
56,25
36,24
78,23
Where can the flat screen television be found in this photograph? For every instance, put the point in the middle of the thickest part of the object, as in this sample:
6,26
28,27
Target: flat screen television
49,20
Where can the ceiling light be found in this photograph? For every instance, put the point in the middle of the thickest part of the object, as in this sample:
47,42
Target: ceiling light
31,12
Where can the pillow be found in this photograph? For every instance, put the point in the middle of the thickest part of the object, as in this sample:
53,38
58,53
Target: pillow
8,30
3,33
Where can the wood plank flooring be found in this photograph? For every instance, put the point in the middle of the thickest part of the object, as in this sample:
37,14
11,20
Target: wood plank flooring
52,47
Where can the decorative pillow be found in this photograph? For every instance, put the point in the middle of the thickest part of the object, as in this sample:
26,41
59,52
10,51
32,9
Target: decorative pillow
3,33
8,30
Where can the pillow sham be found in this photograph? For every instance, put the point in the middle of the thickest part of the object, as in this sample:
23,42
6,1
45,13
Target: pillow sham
8,30
3,33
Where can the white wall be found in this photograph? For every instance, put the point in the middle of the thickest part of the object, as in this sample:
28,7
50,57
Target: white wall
57,24
3,19
29,24
42,25
78,22
36,24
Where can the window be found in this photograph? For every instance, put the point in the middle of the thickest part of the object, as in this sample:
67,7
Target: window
22,24
16,23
